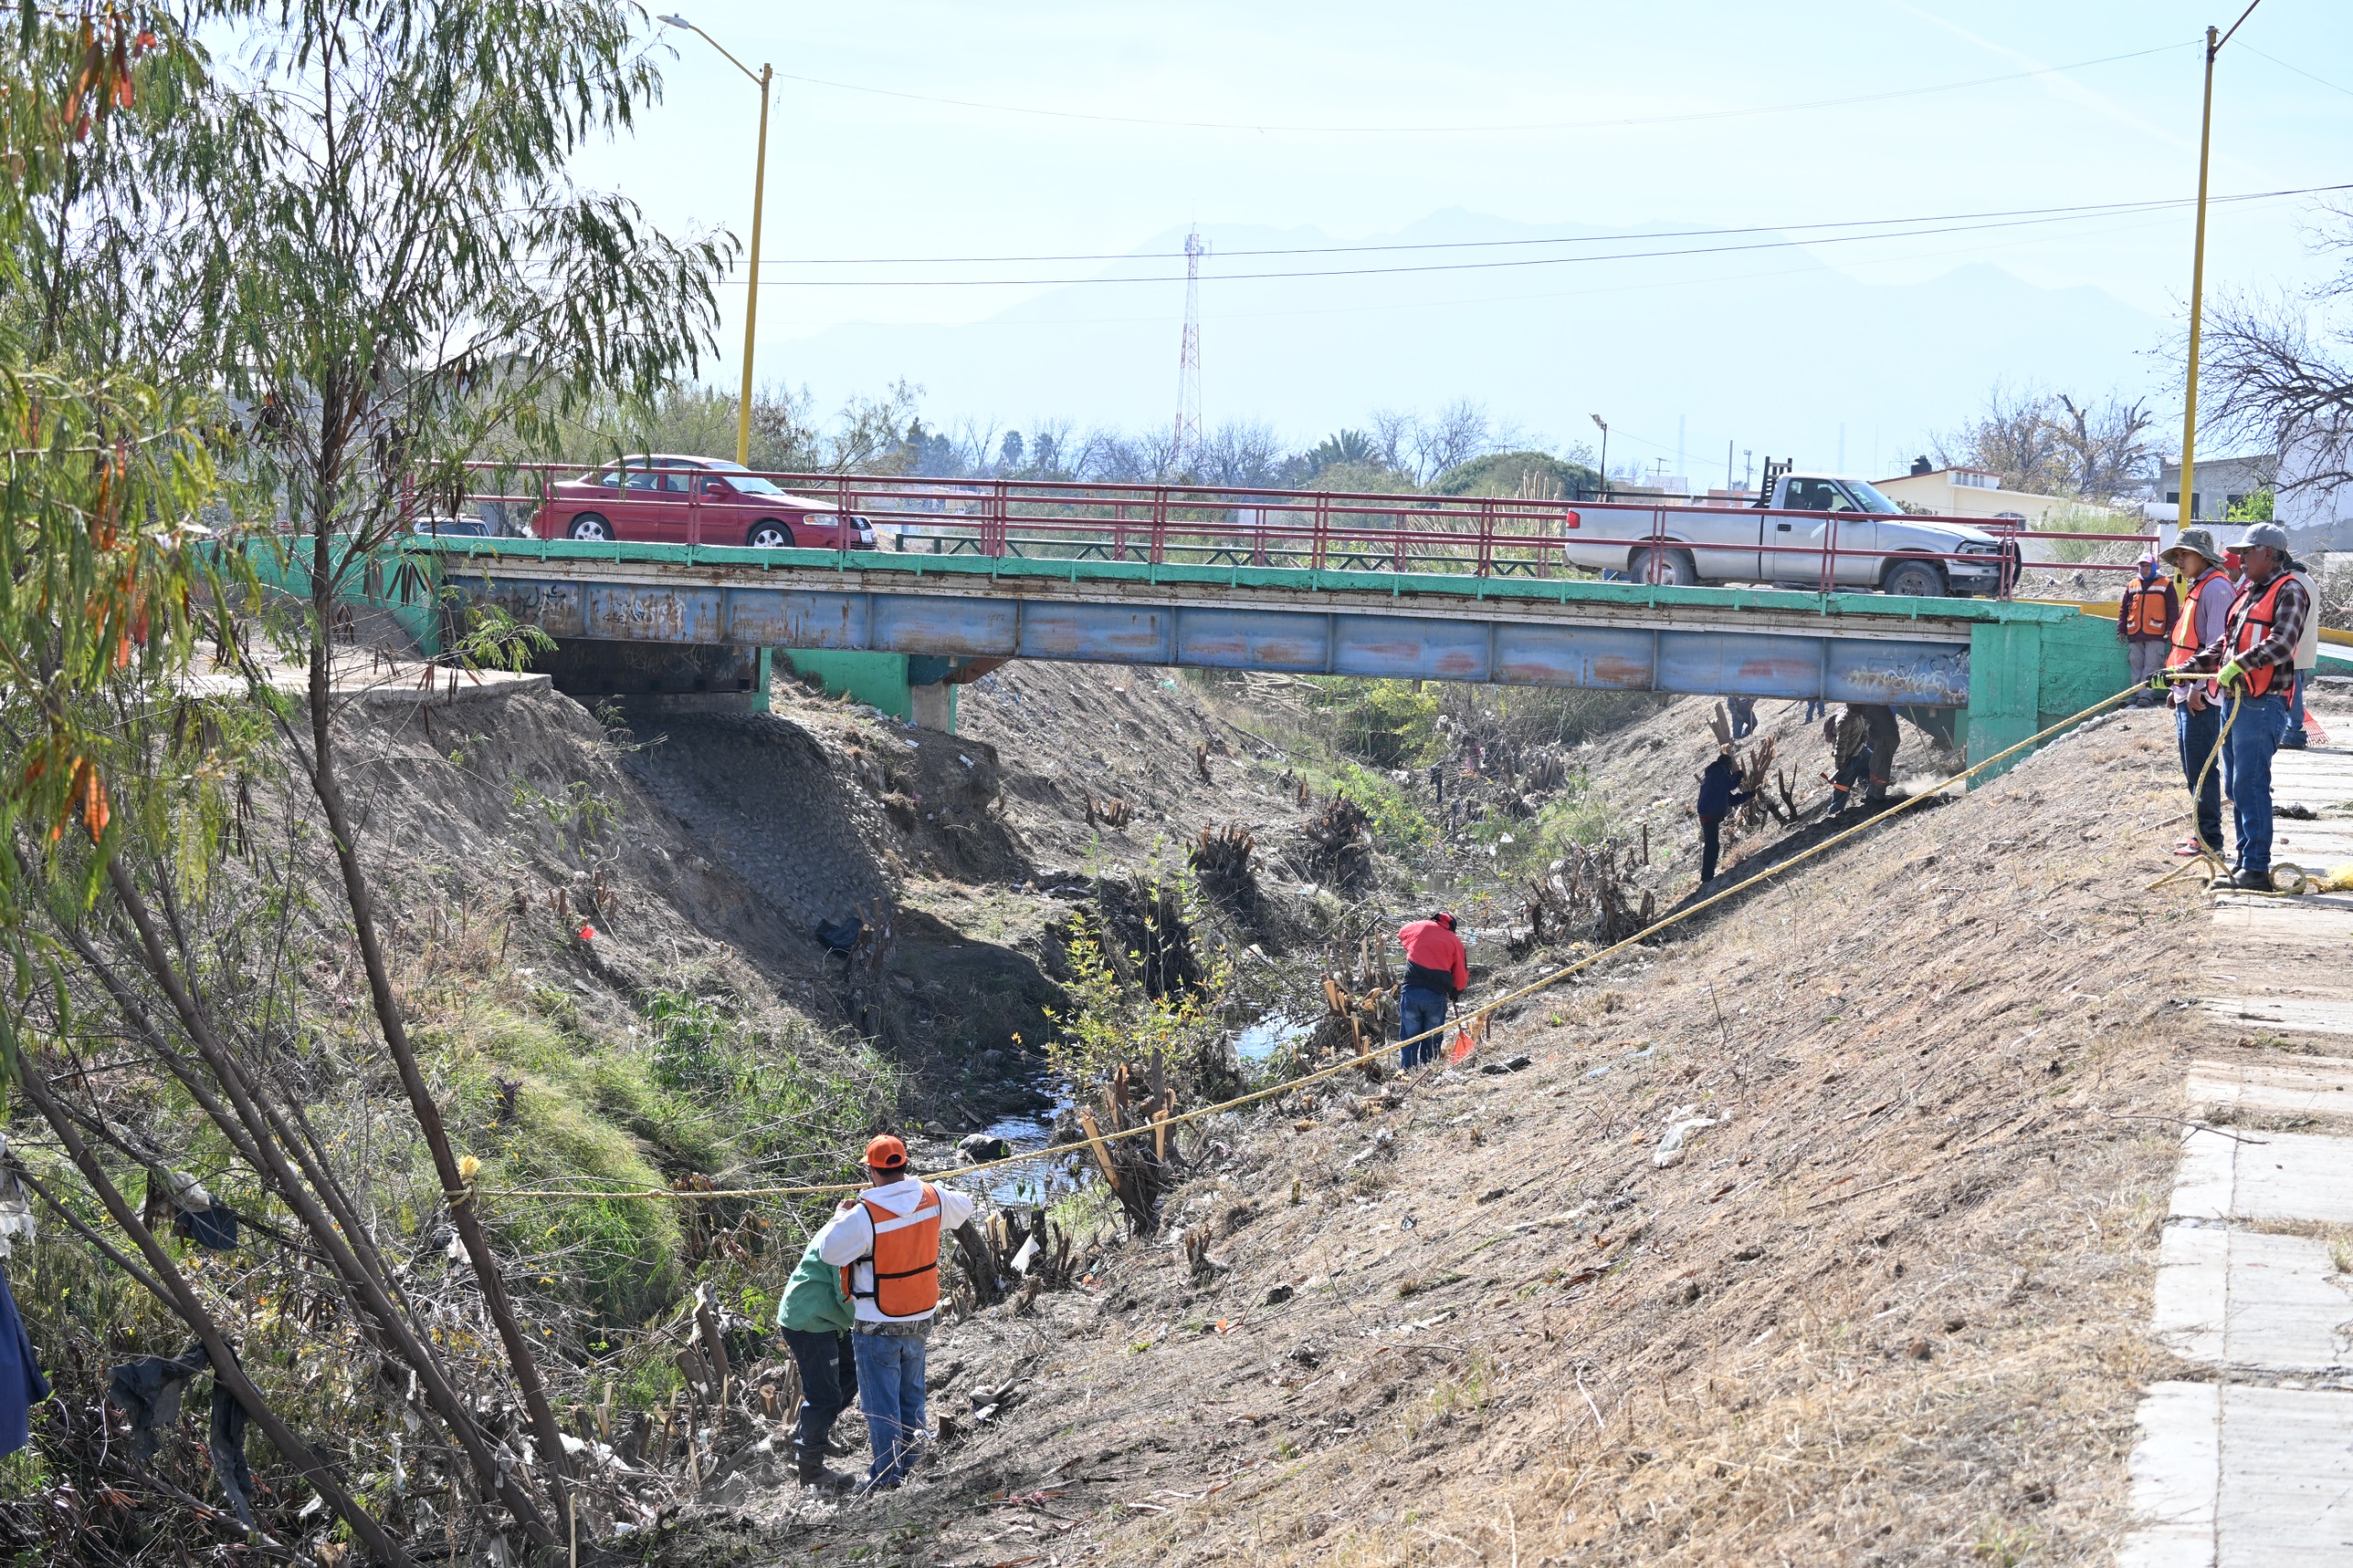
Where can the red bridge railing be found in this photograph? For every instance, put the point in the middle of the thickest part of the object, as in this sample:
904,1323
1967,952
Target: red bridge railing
1318,529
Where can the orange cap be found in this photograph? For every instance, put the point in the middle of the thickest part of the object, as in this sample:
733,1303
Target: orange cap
886,1153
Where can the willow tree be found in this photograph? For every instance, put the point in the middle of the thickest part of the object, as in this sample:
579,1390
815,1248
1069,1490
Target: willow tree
368,260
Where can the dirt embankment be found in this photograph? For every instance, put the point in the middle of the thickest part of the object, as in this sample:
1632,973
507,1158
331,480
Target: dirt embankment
1887,1309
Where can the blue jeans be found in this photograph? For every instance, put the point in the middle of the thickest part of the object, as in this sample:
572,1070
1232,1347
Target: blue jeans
828,1382
1419,1010
2296,710
2196,732
2255,736
890,1390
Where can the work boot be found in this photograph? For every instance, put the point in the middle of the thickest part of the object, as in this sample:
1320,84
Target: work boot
810,1466
2251,882
2294,740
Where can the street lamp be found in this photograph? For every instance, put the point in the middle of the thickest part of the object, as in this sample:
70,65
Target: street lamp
2186,507
1605,453
759,184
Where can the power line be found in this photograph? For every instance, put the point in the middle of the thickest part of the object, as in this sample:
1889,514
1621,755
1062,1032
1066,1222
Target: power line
2298,70
1294,313
1694,117
2057,215
2080,209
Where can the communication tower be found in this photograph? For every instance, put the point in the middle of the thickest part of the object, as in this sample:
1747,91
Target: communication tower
1188,443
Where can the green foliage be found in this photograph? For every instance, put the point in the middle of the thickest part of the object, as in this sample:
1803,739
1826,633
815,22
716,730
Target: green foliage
494,640
2255,509
1389,723
1110,1020
1368,478
550,1104
1397,822
1537,476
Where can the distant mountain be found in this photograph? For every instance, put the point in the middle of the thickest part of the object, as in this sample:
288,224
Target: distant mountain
1768,347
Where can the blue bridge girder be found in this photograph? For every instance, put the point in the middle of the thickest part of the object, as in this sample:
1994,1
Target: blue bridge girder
1571,632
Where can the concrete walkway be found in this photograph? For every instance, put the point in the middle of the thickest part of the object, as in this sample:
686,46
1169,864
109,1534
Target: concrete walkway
2252,1464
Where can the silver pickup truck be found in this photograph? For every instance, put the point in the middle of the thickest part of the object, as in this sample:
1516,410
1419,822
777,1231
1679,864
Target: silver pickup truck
1783,538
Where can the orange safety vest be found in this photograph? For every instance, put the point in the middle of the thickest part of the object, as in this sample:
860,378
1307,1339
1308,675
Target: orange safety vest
2144,610
2185,631
2261,609
906,1258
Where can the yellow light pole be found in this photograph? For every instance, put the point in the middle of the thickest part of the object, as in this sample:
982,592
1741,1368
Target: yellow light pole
2186,507
761,78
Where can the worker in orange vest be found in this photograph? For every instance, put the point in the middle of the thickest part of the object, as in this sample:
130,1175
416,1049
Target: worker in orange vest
2254,662
2145,622
2206,597
886,1242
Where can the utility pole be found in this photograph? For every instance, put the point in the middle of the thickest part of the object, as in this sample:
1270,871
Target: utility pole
2186,508
1605,453
1187,442
761,79
1727,465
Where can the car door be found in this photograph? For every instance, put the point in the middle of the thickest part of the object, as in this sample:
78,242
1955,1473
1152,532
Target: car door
1724,541
1845,527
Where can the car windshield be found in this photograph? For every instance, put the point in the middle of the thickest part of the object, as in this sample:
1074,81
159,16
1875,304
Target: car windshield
1870,498
741,477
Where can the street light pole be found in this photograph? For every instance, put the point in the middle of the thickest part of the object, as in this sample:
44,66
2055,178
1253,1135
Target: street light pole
762,78
1605,453
2186,507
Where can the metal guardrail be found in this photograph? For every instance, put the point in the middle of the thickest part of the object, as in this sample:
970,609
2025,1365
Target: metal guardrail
1312,530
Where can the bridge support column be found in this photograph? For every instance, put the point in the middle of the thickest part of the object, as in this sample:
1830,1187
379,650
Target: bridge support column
2026,675
914,687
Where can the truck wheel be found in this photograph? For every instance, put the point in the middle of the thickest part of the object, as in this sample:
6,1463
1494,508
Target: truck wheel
769,534
1675,568
590,526
1914,579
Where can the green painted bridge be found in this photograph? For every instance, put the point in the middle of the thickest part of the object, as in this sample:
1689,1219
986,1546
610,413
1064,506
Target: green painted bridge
903,630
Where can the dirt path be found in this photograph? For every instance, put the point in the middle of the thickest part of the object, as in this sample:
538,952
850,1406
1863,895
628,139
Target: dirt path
1889,1310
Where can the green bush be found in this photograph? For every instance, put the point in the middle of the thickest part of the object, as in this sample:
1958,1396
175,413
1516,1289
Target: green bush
1388,723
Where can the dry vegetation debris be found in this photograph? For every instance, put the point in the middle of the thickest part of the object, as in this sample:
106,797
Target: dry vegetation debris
1887,1309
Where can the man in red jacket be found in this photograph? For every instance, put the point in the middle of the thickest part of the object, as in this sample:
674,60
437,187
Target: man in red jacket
1436,972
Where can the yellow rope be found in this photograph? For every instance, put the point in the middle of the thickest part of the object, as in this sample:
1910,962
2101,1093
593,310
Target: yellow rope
1354,1064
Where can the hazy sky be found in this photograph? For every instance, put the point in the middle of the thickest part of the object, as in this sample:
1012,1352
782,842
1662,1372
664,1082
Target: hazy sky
1372,115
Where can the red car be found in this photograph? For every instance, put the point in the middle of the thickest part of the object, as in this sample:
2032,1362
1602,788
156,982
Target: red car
658,499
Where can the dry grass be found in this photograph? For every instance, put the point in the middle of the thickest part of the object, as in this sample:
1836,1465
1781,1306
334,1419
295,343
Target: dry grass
1890,1311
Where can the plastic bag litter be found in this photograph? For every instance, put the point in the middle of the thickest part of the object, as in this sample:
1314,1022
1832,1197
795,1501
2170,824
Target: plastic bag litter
1681,1128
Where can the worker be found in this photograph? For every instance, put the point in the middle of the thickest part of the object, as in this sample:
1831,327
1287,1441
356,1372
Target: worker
1436,972
1850,753
2145,622
1879,724
886,1242
2307,660
1718,798
2255,661
1743,716
816,1318
2198,718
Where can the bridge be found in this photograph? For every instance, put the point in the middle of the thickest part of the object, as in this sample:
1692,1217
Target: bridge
699,622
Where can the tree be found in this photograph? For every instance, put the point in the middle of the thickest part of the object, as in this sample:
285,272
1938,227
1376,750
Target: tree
376,255
1423,447
2106,451
1538,476
2046,443
2013,437
2278,374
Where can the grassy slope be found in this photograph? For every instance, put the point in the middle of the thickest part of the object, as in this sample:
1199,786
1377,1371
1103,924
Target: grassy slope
1890,1312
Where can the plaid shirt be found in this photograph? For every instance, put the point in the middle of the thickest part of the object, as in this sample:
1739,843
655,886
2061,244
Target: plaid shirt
2288,612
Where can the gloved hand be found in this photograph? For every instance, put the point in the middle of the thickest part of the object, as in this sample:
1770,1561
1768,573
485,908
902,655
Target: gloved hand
2231,673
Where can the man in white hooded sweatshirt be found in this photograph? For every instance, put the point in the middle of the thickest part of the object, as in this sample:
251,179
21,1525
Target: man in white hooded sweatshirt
886,1242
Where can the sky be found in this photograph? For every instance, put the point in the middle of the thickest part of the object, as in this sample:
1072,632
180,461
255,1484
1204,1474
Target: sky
1107,128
